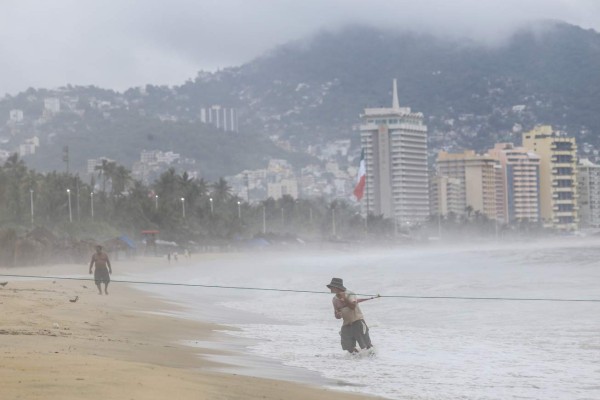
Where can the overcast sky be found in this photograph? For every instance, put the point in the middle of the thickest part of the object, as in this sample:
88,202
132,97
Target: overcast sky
118,44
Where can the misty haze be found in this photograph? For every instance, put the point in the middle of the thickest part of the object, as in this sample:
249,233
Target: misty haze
311,200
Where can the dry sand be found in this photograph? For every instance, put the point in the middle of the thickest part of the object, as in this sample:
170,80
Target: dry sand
112,347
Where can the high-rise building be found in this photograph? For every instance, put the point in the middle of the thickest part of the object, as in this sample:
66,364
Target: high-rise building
558,173
588,182
520,173
221,117
395,144
475,183
447,196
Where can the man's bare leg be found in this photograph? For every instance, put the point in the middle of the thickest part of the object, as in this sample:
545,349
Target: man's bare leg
99,288
106,288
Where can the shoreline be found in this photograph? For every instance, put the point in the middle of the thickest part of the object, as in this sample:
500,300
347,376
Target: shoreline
129,344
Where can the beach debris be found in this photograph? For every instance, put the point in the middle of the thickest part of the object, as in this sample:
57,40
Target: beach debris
85,287
56,325
73,300
3,284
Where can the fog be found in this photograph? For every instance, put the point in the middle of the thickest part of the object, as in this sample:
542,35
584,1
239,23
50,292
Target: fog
425,347
121,44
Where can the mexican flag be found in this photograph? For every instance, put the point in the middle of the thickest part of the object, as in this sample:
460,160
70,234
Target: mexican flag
361,177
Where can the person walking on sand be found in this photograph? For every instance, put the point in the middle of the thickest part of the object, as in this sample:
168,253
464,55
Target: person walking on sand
103,269
354,328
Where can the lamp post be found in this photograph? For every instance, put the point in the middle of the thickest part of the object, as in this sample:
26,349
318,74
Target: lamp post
264,219
70,212
239,209
183,207
156,202
92,204
31,203
333,221
78,207
282,219
211,205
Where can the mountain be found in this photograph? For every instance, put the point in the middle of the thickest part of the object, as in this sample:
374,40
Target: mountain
318,88
311,91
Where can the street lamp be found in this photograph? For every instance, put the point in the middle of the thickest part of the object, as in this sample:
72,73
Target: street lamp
31,202
70,212
78,208
264,220
92,203
211,205
183,206
156,202
239,209
333,221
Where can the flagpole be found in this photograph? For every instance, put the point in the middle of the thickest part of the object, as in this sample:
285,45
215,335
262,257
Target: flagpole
367,197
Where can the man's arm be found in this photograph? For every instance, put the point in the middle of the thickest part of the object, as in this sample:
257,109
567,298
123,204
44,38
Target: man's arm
337,312
92,263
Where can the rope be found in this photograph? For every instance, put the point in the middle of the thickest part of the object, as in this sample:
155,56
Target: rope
308,291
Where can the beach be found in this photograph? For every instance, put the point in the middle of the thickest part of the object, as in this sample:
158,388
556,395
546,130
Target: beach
492,321
126,345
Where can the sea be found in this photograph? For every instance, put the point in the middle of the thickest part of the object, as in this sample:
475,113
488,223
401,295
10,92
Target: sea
478,321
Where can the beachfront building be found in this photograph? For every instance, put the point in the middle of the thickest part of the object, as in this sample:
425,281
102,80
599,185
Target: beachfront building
283,187
395,144
588,185
221,117
475,183
558,173
446,196
520,171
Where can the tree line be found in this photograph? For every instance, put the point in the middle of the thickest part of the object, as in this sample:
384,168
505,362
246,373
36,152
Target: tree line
195,212
181,208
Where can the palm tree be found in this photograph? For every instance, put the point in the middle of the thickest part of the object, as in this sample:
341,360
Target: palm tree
121,178
14,173
221,190
105,171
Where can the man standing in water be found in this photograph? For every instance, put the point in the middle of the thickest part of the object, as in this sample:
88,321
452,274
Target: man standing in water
103,269
354,328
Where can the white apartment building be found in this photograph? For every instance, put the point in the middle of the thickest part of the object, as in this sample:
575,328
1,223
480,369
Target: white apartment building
52,105
92,163
221,117
15,115
588,181
395,144
277,190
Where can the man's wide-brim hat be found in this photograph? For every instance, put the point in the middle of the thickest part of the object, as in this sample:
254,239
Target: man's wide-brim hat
336,283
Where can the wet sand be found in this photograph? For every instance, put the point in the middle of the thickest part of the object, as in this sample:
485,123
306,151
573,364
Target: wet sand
115,346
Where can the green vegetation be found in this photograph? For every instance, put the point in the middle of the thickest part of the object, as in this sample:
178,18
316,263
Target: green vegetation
188,211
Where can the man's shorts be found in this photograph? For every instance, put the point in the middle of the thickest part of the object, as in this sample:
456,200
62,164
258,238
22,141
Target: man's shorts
101,275
356,332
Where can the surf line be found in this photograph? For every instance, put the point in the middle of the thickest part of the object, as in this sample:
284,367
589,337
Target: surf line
372,296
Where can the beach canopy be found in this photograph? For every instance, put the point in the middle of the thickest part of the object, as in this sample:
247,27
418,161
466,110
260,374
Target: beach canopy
125,239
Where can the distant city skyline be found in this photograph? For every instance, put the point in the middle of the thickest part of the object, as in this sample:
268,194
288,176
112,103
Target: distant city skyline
122,44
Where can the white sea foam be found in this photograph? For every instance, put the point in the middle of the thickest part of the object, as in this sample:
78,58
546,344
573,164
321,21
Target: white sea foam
425,348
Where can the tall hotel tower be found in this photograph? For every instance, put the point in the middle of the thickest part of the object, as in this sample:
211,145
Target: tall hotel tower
395,144
558,176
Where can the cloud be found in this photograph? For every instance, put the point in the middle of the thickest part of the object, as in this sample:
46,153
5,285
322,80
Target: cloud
123,43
